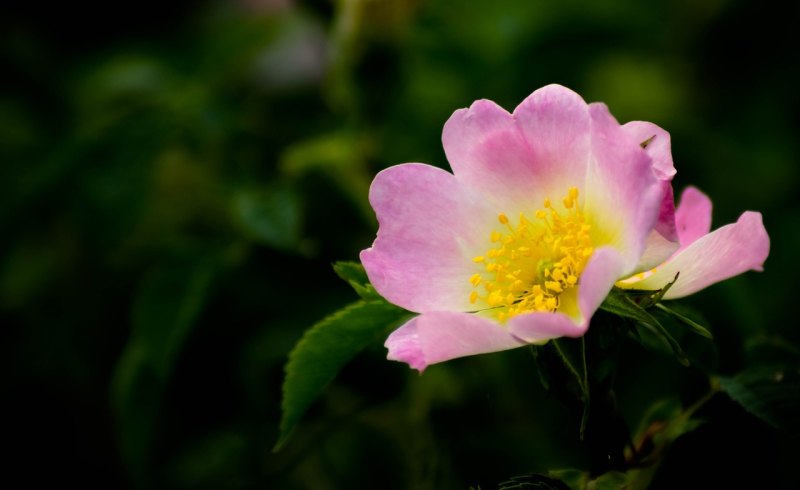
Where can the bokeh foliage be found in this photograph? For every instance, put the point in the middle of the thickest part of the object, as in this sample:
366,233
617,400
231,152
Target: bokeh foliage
178,179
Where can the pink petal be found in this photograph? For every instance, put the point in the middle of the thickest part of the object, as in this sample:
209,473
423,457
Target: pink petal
623,195
663,240
518,160
657,250
557,127
440,336
693,216
659,147
721,254
431,226
603,269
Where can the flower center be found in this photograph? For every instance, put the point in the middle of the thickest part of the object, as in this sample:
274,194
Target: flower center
531,264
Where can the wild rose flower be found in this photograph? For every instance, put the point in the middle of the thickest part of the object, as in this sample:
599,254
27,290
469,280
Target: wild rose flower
546,209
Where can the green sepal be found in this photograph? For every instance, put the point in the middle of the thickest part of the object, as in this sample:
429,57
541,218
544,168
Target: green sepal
693,325
619,302
647,298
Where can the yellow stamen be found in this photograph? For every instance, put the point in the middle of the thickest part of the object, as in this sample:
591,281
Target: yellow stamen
531,263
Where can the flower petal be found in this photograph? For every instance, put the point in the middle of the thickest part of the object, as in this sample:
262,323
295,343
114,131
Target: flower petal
693,216
440,336
662,241
623,195
556,124
657,145
518,160
721,254
431,226
597,279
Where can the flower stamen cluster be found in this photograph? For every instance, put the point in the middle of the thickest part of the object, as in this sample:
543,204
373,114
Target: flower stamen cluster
531,264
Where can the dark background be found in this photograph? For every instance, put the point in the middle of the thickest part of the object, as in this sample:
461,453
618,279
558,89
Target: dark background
177,178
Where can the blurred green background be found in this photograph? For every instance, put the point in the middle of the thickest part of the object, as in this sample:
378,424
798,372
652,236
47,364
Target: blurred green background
178,177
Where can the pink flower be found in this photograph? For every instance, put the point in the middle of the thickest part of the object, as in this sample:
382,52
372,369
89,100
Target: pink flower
546,209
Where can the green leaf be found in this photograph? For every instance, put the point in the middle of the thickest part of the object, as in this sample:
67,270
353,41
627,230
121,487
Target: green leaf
356,276
167,307
324,349
771,393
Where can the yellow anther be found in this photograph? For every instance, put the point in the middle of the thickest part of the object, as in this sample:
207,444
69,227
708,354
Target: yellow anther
503,218
475,279
573,193
478,259
473,297
551,303
572,280
547,203
554,286
495,237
